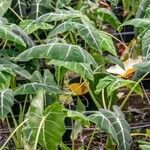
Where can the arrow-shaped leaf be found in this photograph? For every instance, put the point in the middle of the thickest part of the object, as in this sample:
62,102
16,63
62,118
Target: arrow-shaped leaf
96,39
30,26
57,51
32,88
115,124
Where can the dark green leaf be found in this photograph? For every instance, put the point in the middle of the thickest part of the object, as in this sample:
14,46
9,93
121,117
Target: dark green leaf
115,124
39,7
57,51
32,88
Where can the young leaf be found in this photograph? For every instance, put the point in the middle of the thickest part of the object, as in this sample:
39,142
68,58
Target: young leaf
116,60
57,51
98,40
30,26
58,15
82,69
61,28
113,83
6,102
108,16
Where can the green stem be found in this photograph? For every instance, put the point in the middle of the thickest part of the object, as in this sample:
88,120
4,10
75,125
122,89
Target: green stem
92,96
13,82
129,94
38,133
14,119
41,42
72,38
58,75
10,130
72,134
16,14
110,102
3,146
103,99
91,139
139,134
4,44
116,39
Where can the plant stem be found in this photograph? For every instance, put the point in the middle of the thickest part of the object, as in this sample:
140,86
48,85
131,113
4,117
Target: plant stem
41,42
103,99
139,134
91,139
72,134
16,14
4,44
127,97
58,75
10,130
93,97
116,39
72,38
38,133
3,146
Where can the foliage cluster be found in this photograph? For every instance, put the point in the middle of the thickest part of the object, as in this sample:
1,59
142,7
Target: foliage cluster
42,43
